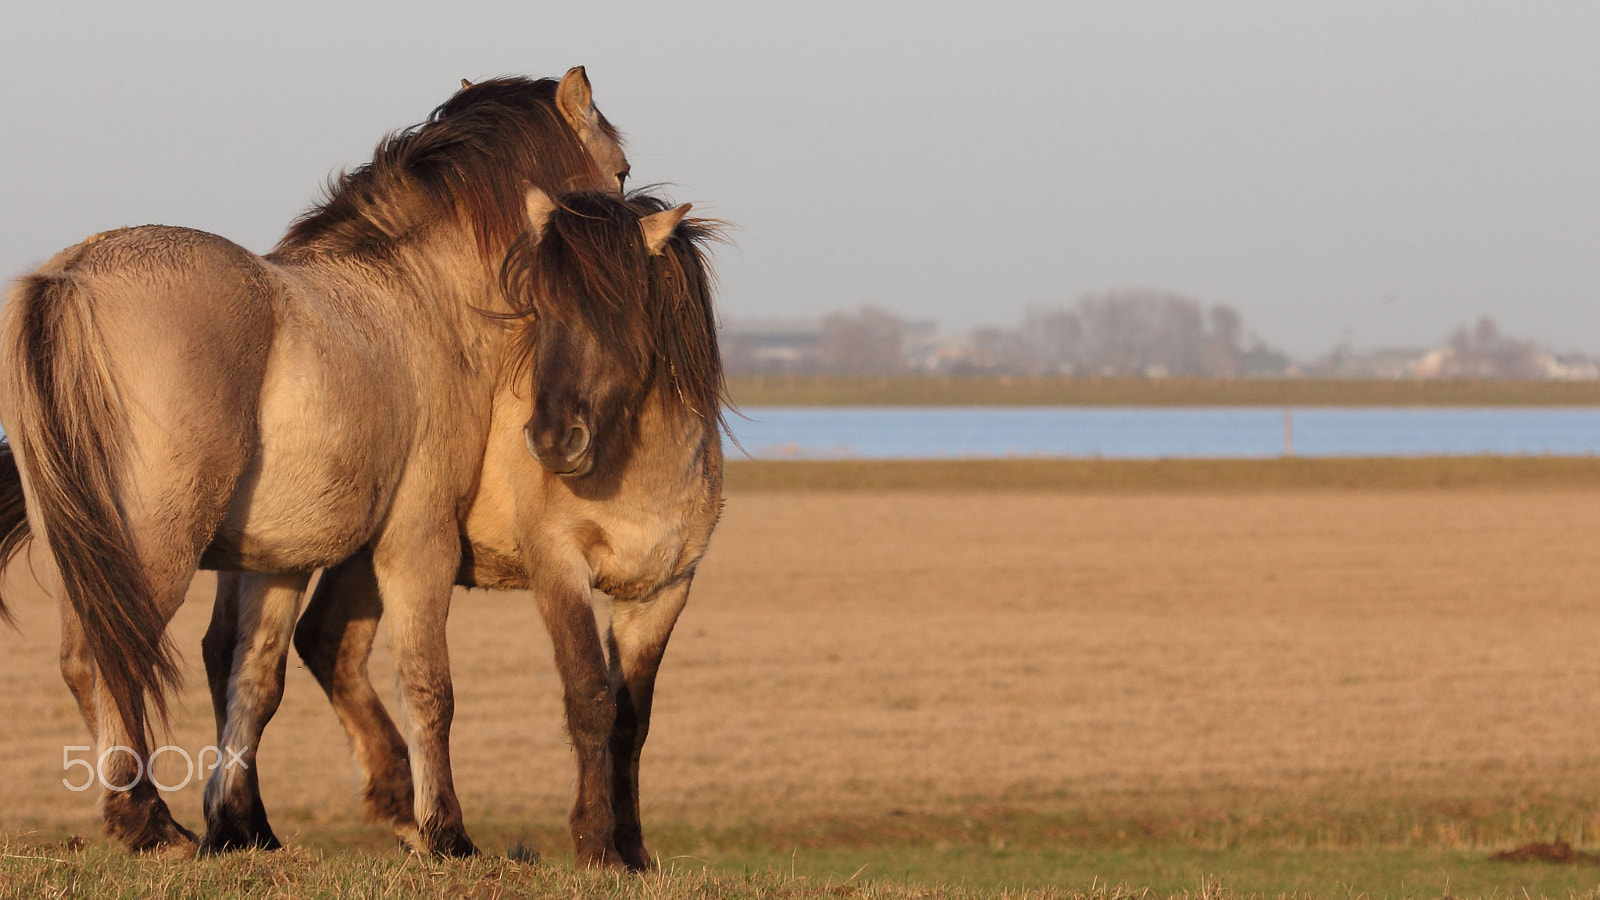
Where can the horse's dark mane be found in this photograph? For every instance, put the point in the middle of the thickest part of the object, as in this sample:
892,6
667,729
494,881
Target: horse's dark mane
588,266
474,157
683,286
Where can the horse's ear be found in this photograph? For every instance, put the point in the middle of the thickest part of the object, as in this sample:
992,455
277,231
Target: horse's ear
465,84
539,206
575,101
658,227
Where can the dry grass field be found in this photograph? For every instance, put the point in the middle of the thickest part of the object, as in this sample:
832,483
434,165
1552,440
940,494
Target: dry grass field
1396,665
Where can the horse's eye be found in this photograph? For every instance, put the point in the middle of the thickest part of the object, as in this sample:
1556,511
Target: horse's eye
622,179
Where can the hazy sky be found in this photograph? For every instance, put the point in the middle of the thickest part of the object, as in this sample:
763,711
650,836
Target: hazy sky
1372,171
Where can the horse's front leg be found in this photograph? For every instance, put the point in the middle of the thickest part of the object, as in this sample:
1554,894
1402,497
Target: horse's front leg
335,638
416,569
639,633
245,650
591,715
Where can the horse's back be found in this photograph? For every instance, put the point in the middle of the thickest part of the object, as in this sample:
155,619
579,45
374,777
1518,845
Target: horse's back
161,283
170,270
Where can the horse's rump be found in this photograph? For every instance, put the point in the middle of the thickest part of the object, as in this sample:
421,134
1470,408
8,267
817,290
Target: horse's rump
67,427
135,357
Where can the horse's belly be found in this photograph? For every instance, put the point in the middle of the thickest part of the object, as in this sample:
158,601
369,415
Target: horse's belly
312,525
487,566
320,483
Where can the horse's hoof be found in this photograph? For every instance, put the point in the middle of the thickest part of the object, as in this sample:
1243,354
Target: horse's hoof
229,841
457,846
636,858
445,841
229,830
631,846
148,829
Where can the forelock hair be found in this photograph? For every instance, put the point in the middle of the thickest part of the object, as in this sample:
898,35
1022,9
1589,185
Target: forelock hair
589,268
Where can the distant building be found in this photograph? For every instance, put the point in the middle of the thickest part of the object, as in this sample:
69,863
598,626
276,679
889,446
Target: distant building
1451,362
773,346
1570,367
925,348
770,345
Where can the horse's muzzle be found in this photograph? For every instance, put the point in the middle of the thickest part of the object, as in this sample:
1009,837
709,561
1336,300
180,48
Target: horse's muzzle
568,457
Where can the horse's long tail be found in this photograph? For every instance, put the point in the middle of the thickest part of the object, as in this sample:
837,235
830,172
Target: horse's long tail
71,437
14,534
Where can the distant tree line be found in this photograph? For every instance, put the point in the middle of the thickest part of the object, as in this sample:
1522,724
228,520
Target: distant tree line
1127,332
1137,332
1120,332
1483,352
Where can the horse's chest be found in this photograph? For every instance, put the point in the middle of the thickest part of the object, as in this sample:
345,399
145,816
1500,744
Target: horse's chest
633,556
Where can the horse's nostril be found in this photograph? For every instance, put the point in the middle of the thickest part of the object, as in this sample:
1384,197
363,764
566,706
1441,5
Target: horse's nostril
560,453
577,442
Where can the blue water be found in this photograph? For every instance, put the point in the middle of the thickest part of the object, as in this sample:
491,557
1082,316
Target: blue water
1153,433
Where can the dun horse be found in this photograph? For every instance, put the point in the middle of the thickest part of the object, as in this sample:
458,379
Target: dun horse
175,401
607,474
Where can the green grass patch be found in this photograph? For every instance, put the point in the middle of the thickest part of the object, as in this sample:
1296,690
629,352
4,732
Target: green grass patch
1233,475
97,872
30,868
1061,391
1180,871
1229,846
1317,847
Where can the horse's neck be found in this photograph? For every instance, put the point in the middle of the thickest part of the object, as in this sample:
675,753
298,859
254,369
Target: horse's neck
658,522
439,286
677,454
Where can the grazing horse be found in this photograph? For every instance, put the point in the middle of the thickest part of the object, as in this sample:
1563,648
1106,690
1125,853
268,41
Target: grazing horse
175,401
607,475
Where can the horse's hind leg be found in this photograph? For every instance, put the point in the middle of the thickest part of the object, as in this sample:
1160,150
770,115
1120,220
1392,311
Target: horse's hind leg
134,414
168,522
131,805
639,633
335,638
246,649
77,666
416,561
